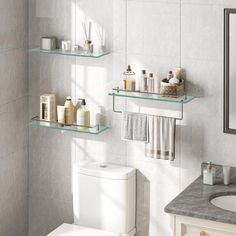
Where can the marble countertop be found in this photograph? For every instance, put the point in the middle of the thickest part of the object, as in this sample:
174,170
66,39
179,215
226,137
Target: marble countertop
194,201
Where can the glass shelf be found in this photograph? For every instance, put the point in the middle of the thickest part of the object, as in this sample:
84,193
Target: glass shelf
150,96
70,53
35,122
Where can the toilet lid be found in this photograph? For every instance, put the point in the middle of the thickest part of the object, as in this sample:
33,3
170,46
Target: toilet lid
76,230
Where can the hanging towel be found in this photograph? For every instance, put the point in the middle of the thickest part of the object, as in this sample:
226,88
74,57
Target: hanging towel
161,138
134,126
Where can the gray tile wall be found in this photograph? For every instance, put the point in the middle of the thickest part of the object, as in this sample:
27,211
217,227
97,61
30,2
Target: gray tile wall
13,118
161,34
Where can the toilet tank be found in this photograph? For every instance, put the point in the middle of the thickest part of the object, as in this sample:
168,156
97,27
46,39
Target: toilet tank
104,197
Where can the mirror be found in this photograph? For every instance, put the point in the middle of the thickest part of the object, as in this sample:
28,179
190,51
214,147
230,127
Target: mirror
230,71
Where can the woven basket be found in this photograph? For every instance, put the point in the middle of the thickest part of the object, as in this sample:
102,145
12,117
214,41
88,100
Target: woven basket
170,90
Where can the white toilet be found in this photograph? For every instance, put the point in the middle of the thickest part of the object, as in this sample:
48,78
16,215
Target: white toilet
104,200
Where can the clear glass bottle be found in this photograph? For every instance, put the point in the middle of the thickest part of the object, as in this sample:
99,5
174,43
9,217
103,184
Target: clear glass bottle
209,174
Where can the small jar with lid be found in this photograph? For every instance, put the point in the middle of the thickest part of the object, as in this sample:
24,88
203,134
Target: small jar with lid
129,79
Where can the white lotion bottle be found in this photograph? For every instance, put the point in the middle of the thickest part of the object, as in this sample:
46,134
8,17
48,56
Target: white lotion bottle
150,83
61,114
143,86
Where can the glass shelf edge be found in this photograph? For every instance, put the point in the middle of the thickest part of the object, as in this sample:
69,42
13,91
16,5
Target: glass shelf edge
34,124
163,99
64,53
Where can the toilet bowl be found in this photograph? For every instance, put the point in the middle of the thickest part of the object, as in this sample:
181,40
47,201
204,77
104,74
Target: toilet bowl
104,200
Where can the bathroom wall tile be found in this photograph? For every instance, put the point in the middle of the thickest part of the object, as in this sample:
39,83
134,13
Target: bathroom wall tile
13,183
13,24
206,40
164,18
119,26
33,25
153,177
46,9
13,82
13,118
46,214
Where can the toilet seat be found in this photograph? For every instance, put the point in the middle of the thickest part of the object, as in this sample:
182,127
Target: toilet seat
76,230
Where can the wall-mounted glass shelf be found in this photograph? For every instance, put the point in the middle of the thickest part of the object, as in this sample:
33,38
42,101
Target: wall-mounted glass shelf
117,92
70,53
35,122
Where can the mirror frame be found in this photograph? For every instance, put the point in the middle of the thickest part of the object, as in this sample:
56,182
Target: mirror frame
227,13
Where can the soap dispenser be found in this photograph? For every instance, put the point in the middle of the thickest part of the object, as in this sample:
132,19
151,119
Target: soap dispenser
209,174
83,114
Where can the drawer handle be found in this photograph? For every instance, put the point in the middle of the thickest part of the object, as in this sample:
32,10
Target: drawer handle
202,233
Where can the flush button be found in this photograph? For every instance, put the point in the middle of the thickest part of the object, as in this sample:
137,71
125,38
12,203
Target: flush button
103,166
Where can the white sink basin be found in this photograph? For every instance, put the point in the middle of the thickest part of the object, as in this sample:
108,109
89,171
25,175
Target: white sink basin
225,202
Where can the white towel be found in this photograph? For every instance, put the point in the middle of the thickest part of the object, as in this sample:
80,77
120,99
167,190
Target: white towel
161,138
134,126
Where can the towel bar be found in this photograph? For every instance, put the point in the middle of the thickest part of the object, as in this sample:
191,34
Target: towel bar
179,118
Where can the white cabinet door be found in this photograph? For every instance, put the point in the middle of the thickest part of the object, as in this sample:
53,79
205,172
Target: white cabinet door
191,230
187,226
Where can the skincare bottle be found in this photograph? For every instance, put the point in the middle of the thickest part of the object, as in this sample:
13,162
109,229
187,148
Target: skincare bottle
129,79
69,111
170,76
209,174
150,83
61,114
143,81
83,114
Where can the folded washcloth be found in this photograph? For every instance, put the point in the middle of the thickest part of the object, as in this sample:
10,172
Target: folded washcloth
134,126
161,138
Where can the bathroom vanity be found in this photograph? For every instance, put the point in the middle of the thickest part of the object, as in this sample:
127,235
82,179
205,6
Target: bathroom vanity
205,210
188,226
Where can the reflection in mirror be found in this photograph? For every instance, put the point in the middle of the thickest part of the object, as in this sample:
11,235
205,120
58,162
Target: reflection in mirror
230,72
